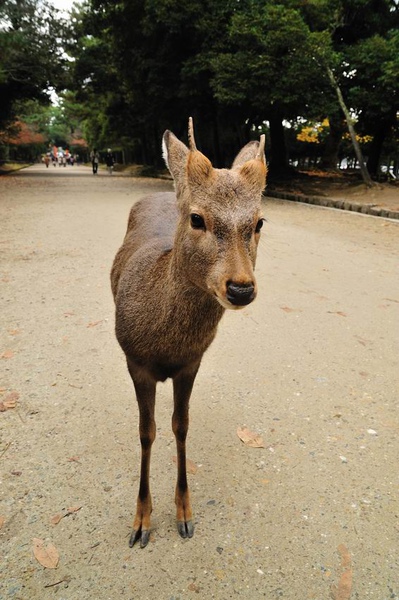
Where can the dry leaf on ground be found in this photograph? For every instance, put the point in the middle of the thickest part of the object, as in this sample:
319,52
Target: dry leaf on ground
9,401
288,309
73,509
47,556
251,439
94,323
343,590
14,331
7,354
2,521
69,511
56,519
190,465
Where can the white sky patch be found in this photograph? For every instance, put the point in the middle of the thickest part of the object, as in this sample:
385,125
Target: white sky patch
64,6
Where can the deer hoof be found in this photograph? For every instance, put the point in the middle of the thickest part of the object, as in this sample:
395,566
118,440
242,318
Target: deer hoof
140,534
185,529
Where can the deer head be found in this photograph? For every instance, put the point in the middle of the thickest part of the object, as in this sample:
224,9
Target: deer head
220,218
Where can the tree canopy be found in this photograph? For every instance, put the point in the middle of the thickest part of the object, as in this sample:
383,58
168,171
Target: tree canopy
129,69
32,61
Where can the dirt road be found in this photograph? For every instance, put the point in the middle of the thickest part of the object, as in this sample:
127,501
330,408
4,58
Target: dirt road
311,366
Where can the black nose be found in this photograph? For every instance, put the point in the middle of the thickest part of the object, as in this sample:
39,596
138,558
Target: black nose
240,294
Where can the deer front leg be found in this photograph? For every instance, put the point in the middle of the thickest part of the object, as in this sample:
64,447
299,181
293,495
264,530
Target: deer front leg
182,387
145,392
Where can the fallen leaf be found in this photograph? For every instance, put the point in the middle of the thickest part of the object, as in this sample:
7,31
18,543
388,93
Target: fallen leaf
69,511
337,312
343,590
251,439
14,331
73,509
7,354
17,473
56,519
73,459
191,467
287,309
9,401
2,521
47,556
94,323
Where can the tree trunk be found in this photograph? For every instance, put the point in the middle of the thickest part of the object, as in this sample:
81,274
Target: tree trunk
373,161
381,131
278,155
363,169
329,160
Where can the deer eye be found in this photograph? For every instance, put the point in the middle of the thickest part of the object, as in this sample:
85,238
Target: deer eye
197,222
259,225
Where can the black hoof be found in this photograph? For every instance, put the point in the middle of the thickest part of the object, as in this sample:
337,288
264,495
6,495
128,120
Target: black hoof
185,529
142,535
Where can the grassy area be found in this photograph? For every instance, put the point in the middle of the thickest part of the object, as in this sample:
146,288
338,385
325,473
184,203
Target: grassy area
10,167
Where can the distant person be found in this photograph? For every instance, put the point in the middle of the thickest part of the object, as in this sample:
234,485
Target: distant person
95,159
109,161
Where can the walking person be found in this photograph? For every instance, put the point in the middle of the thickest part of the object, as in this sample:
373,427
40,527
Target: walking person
109,161
95,158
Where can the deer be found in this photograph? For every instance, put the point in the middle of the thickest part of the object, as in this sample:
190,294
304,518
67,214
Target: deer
187,256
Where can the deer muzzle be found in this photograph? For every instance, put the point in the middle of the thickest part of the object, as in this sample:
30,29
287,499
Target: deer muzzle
240,294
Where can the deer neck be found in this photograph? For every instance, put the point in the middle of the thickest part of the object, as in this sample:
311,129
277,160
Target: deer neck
190,298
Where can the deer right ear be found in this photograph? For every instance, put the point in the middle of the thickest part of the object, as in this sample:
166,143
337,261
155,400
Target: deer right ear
175,155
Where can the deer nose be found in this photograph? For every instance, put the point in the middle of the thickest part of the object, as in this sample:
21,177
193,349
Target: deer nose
240,294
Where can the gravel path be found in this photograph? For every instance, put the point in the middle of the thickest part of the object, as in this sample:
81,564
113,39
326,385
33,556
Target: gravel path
311,367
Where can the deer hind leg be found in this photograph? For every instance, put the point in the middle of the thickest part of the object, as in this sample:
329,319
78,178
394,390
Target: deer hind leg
145,393
182,387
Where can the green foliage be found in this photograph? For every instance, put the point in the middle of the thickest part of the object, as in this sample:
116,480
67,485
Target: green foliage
271,48
31,59
138,67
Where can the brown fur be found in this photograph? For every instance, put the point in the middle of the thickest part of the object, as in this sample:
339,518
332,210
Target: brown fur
172,281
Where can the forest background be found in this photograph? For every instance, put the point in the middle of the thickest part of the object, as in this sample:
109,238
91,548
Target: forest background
118,73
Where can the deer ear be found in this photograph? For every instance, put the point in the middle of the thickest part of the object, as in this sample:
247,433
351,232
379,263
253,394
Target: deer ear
175,156
250,151
199,168
251,163
254,173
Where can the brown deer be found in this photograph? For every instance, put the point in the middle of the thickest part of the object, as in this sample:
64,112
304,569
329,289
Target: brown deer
186,257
